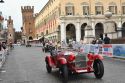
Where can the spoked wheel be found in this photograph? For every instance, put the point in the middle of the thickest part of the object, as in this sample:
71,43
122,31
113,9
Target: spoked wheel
98,69
64,73
49,69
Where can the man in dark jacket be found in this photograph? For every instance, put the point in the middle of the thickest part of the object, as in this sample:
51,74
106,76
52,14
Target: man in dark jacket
106,39
3,45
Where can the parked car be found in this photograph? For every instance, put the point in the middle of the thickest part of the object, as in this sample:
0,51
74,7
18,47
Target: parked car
74,62
28,45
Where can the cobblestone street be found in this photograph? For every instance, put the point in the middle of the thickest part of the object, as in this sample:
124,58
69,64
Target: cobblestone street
27,65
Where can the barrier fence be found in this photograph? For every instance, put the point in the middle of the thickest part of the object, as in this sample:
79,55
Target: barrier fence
109,50
3,55
119,50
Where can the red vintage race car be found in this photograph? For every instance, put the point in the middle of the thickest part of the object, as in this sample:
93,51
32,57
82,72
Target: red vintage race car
70,62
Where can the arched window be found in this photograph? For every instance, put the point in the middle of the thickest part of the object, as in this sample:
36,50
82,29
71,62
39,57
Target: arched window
85,7
113,8
99,8
69,9
10,35
30,38
46,31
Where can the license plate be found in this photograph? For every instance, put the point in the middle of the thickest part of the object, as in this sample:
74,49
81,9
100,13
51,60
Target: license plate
80,71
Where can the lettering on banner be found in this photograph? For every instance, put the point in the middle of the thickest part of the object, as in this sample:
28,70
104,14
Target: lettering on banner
119,50
107,50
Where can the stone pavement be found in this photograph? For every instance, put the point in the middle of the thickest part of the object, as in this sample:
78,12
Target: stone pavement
27,65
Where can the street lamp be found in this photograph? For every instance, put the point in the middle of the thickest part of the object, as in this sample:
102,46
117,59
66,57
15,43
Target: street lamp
108,14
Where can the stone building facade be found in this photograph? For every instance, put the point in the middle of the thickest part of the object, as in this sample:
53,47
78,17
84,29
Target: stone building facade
1,21
67,20
28,30
18,37
1,26
10,31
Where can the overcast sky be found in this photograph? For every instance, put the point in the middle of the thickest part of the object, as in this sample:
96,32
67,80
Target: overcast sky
13,8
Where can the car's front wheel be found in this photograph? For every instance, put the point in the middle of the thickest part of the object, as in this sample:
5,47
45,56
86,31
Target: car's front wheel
64,73
98,68
49,68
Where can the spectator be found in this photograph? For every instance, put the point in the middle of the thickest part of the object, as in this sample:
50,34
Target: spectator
43,44
63,44
106,39
73,44
58,45
94,41
0,46
3,45
100,41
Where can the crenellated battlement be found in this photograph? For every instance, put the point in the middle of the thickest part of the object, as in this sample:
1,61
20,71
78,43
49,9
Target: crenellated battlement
10,21
28,21
27,8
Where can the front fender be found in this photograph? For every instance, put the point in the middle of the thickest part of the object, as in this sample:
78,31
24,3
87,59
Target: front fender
98,57
62,61
48,60
93,57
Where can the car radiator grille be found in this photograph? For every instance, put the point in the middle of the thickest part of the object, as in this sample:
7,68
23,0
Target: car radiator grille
80,61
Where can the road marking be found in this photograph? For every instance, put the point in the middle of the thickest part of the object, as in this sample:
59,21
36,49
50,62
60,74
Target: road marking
3,71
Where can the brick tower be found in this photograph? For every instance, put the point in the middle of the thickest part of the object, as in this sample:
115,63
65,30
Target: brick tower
11,31
28,30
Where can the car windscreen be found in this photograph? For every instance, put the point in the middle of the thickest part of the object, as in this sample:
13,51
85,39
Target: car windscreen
67,53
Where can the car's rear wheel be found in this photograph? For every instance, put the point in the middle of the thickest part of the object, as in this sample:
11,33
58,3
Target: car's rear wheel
49,69
64,73
98,69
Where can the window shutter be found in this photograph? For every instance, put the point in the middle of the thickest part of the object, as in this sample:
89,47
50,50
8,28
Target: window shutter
123,9
102,10
73,11
66,10
88,12
115,9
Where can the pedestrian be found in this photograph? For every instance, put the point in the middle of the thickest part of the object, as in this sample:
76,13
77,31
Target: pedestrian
63,44
0,46
94,41
58,45
100,41
73,44
106,39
